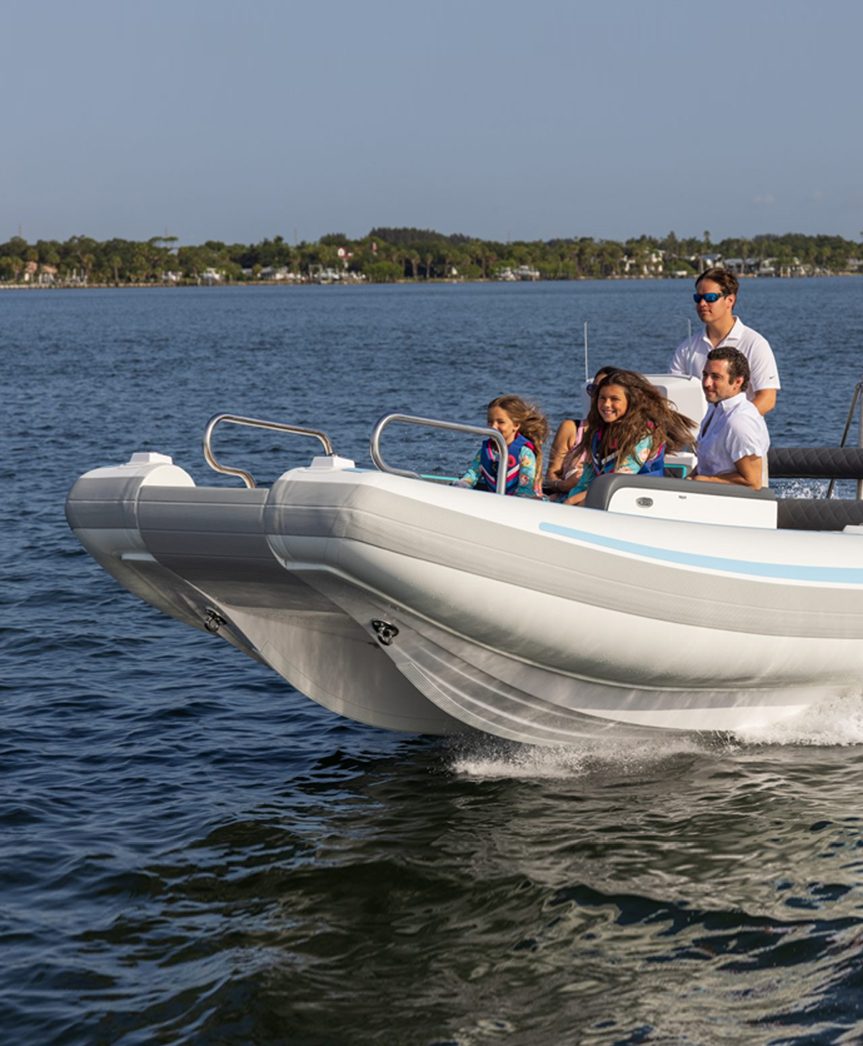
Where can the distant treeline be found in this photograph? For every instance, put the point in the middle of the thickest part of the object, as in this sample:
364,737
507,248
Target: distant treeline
387,255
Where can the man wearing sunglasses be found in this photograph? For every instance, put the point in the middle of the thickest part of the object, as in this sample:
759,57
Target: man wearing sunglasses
715,297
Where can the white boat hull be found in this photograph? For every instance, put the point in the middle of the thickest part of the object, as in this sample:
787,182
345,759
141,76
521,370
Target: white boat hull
426,608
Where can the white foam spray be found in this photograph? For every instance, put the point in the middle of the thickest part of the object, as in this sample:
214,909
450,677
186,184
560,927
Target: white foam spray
807,489
834,721
837,721
489,759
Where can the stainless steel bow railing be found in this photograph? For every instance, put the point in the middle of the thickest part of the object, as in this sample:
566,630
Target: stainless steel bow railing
434,423
255,423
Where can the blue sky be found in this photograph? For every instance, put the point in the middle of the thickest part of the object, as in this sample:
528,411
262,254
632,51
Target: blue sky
499,119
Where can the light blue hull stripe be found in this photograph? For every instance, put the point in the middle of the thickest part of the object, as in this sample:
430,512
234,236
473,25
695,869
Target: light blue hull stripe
785,571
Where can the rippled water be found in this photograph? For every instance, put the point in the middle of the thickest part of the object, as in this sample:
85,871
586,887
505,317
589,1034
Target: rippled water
194,852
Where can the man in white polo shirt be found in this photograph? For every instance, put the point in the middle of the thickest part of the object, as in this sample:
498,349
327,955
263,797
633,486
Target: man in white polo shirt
715,297
733,440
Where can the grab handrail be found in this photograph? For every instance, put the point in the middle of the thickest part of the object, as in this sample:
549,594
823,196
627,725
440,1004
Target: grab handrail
255,423
434,423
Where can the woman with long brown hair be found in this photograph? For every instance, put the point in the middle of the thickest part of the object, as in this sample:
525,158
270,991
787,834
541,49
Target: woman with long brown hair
565,461
629,428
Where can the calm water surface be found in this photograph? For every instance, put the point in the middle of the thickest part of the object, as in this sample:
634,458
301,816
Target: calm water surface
193,852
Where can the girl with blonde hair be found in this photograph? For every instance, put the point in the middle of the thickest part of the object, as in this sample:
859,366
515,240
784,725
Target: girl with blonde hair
525,429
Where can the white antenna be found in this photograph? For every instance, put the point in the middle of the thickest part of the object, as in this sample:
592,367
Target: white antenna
689,324
586,371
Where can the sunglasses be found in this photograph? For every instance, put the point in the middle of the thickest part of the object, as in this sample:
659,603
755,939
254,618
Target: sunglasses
710,298
591,389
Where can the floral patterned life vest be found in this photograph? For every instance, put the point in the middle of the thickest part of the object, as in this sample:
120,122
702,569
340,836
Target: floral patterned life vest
488,464
653,466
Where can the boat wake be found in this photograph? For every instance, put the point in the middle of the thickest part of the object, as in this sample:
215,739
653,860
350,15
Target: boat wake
489,760
834,722
837,721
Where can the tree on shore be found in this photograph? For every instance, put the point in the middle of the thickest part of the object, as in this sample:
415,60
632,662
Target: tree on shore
391,254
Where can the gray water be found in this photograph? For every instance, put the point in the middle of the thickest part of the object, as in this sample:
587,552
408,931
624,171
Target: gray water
194,852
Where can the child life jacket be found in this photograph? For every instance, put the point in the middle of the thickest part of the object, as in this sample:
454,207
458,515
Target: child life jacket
654,466
488,464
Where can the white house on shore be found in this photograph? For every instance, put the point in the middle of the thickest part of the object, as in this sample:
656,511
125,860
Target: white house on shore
39,275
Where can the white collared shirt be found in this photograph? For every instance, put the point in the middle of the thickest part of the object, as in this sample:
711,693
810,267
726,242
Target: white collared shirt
690,356
732,429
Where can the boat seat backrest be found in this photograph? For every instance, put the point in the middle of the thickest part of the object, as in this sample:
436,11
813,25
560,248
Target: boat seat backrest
818,513
816,462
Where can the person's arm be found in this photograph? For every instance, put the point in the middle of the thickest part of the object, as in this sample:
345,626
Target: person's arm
749,473
471,477
678,364
526,474
579,491
764,381
765,400
564,440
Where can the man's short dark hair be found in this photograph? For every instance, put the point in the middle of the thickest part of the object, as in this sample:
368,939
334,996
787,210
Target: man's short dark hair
738,364
724,277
